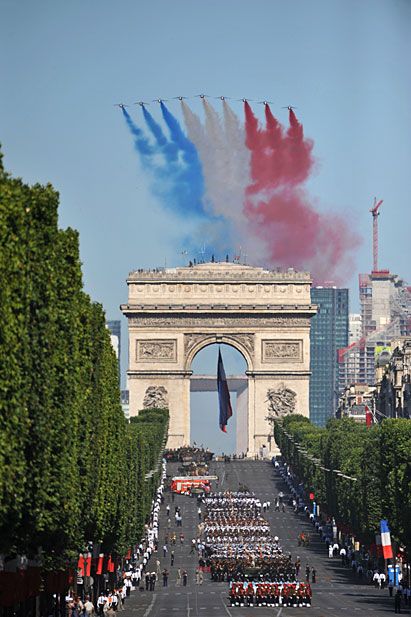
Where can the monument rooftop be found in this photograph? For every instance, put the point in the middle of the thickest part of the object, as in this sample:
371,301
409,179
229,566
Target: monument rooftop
224,271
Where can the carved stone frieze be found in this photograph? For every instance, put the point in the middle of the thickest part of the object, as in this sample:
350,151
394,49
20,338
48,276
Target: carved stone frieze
156,350
156,397
273,352
281,401
192,340
245,339
212,320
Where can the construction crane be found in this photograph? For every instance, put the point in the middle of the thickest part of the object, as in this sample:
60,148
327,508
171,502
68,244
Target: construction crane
375,214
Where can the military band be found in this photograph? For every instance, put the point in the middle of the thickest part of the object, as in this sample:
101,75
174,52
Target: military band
239,549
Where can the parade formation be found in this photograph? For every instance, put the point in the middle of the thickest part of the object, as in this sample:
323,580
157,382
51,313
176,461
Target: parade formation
239,548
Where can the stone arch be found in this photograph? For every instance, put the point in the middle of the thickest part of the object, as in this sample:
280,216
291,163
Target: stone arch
173,313
195,345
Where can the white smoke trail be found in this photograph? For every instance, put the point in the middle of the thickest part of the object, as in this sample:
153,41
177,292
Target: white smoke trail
226,167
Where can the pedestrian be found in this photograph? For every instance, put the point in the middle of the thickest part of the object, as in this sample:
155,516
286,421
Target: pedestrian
181,538
330,551
199,513
147,580
376,579
165,550
185,578
343,555
193,546
178,578
197,577
201,576
268,505
165,577
101,600
307,573
169,523
88,606
383,578
172,497
128,586
313,575
153,580
172,557
168,510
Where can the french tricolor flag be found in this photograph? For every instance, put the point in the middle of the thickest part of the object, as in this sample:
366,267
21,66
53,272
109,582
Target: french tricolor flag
386,540
223,394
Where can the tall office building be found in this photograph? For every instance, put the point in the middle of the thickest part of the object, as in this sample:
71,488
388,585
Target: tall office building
329,332
385,304
115,336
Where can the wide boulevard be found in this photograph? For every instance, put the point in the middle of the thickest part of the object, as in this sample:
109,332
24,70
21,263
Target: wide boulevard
337,591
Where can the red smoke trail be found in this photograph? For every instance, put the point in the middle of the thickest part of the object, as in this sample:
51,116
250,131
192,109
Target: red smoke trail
279,210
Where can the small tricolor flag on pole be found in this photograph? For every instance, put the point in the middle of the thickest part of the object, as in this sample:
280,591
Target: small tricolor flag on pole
386,540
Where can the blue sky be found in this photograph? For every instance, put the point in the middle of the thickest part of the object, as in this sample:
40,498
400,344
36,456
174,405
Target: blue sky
344,63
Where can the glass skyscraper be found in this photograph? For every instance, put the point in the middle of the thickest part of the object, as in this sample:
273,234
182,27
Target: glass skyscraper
329,332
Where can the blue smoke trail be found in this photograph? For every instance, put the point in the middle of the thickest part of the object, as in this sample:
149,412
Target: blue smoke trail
169,149
140,141
177,176
180,171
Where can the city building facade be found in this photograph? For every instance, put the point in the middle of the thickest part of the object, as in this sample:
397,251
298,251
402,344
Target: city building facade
329,332
354,328
114,326
393,382
355,400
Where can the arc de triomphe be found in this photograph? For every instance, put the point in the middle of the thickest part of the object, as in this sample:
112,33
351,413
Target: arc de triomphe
174,313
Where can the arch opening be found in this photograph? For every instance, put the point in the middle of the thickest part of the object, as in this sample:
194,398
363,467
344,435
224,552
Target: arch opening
204,407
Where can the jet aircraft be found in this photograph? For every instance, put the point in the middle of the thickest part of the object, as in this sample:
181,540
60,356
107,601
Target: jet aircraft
289,107
180,98
121,105
141,103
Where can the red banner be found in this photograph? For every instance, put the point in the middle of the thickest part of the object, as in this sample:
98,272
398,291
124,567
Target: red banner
80,566
88,565
100,564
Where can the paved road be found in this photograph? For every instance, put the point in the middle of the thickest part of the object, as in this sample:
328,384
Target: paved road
337,592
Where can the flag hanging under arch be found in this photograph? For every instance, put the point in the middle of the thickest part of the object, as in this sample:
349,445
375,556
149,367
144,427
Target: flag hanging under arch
223,394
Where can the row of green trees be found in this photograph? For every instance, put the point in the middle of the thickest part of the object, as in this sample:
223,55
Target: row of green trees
72,470
359,475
